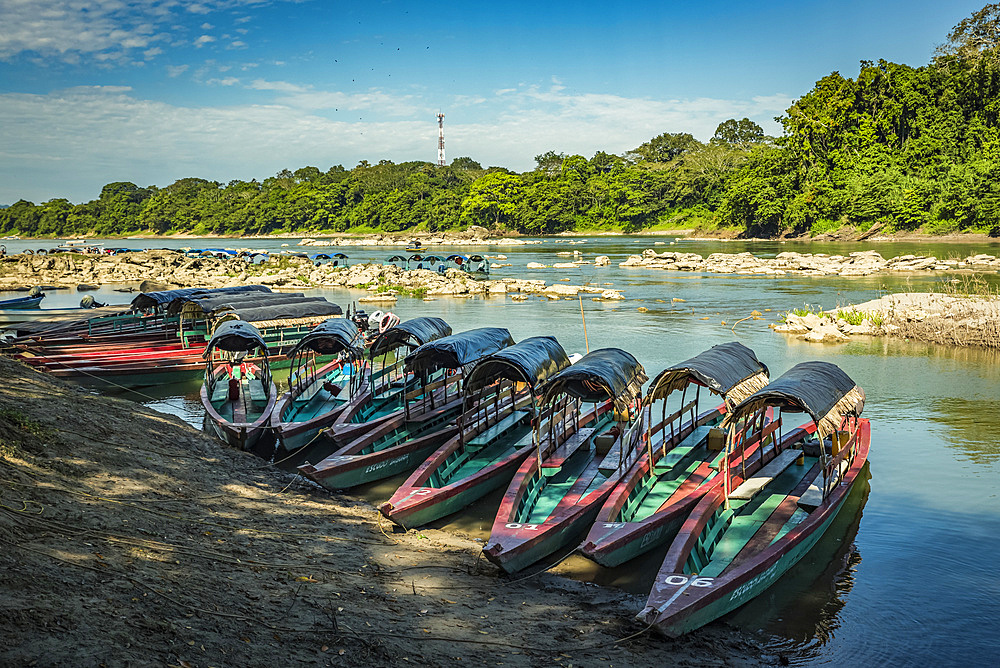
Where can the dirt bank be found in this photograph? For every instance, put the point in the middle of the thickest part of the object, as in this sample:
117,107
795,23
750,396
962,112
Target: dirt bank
129,538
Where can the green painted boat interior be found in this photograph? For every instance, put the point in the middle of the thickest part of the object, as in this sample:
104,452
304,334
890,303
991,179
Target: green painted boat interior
473,457
246,407
317,400
730,530
668,474
579,472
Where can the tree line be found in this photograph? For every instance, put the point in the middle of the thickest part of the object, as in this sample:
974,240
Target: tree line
896,148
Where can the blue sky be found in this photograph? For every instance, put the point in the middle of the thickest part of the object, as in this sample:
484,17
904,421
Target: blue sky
150,91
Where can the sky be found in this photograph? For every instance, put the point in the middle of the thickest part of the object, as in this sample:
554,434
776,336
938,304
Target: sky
151,91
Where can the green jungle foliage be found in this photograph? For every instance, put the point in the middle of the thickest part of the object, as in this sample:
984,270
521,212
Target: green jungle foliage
896,148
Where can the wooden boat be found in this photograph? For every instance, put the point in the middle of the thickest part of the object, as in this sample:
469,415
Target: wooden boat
238,393
402,439
494,436
683,449
22,303
580,458
741,538
317,394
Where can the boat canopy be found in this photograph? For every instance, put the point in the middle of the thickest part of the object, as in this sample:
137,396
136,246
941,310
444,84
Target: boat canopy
433,258
608,373
329,338
213,303
150,299
531,361
279,312
728,369
235,336
820,389
414,332
451,352
396,258
457,258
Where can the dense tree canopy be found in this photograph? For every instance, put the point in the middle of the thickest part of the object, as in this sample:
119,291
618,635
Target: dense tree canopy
904,148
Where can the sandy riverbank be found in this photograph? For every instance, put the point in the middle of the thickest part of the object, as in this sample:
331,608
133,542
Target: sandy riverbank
130,538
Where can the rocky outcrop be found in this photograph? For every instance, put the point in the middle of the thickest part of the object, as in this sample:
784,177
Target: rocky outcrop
165,270
965,320
860,263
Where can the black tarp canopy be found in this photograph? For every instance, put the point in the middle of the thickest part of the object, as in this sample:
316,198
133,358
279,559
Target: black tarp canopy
293,311
608,373
329,338
531,361
215,303
235,336
413,332
720,368
459,349
820,389
150,299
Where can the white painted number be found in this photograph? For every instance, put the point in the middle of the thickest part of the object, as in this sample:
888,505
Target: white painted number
526,527
677,580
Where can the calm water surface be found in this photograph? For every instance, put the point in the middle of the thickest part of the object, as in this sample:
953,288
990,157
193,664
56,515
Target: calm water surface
906,574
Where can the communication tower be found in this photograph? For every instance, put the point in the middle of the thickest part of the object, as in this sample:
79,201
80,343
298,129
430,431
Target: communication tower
440,139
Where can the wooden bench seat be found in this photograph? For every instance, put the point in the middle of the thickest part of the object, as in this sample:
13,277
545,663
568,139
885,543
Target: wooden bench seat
681,450
749,488
494,432
812,498
221,392
256,390
566,450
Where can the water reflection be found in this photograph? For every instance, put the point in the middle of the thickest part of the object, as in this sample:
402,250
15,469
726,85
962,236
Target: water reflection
801,613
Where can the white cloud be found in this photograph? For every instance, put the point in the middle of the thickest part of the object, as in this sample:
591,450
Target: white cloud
228,81
203,40
70,143
176,70
237,44
105,30
207,26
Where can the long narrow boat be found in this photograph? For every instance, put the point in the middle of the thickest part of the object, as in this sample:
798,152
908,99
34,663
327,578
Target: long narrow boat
741,538
390,382
681,461
238,394
494,434
22,303
581,456
317,394
401,440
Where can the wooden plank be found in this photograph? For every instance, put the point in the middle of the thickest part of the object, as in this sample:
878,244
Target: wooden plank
566,450
752,485
256,390
681,450
492,433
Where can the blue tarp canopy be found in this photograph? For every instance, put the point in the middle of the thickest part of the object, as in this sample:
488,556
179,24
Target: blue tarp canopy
820,389
235,336
531,361
452,352
150,299
720,368
412,333
330,337
608,373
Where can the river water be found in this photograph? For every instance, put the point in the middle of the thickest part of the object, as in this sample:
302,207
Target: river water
904,576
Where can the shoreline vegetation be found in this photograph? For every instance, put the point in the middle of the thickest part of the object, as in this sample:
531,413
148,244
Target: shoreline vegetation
897,149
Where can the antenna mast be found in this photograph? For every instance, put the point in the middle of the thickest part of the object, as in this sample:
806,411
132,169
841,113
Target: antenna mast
440,139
